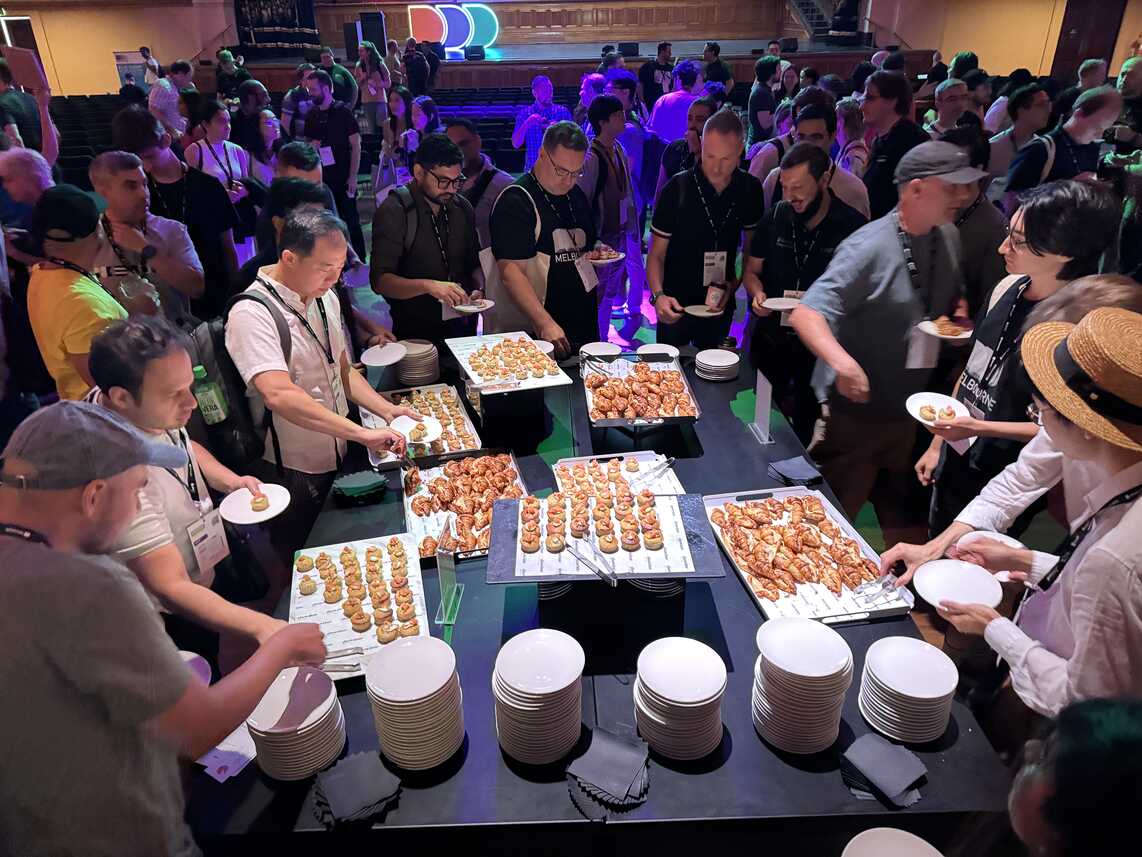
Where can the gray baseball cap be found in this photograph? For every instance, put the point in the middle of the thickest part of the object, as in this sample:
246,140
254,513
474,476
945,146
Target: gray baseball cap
937,160
68,444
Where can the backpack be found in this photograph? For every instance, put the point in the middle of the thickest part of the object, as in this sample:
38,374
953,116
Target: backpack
1049,143
653,147
411,218
240,438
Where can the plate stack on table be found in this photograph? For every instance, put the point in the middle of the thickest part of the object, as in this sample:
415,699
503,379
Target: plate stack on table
800,680
537,683
660,588
421,363
717,364
297,727
678,697
906,689
417,702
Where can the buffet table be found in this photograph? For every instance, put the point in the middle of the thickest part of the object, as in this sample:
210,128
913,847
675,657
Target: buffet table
746,789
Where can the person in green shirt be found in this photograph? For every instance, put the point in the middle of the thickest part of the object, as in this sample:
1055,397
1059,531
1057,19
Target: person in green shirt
344,84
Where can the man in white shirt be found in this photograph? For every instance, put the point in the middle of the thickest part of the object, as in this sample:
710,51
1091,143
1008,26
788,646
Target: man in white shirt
151,73
140,247
309,396
952,99
142,372
162,100
668,120
818,125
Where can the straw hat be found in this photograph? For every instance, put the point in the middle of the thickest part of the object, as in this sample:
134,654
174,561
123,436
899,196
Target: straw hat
1091,372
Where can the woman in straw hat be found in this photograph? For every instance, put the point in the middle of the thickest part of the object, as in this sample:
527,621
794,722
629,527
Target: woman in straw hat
1079,634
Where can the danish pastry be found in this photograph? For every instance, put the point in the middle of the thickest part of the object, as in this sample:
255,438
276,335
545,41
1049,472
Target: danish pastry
387,633
409,629
307,586
259,502
406,611
304,563
360,621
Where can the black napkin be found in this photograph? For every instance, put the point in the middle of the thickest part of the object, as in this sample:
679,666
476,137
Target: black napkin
876,766
357,787
795,470
612,774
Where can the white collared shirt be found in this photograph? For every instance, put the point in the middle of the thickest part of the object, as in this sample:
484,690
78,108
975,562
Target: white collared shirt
254,346
1090,638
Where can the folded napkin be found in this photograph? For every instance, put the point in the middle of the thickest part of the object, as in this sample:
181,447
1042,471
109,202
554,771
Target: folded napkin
611,775
874,766
357,787
795,470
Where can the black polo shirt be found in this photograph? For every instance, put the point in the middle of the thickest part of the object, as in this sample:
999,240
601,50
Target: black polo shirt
1071,158
333,127
887,150
420,317
696,220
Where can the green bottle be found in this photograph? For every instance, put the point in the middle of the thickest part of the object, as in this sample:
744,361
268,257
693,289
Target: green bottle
211,400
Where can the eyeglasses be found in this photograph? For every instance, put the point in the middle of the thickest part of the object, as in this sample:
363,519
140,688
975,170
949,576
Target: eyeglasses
446,182
1016,239
561,172
1035,413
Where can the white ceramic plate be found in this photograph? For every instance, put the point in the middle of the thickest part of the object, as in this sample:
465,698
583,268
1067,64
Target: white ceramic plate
235,507
540,661
702,311
410,668
929,327
474,307
936,400
717,359
601,349
660,349
682,670
803,647
888,842
781,304
615,260
198,665
912,667
975,535
404,424
306,693
384,355
956,580
544,347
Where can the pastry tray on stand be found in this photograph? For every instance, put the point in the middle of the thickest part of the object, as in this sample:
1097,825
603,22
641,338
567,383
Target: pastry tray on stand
464,346
665,482
388,461
620,366
814,600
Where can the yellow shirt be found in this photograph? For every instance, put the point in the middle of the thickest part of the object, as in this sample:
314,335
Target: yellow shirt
67,311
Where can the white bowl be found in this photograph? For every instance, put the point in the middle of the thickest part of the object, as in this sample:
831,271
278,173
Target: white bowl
956,580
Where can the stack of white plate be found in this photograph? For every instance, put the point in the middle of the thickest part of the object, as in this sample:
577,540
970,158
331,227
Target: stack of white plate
551,591
906,690
298,727
421,363
800,680
538,688
417,702
717,364
660,587
678,697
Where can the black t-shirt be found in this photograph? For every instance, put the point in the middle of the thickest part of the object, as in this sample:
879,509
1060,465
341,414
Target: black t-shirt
655,78
695,219
23,110
677,157
417,70
228,82
132,93
420,317
245,131
760,101
333,127
886,153
513,237
718,70
1026,170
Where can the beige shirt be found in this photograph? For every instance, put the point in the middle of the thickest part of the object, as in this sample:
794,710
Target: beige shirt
845,186
253,343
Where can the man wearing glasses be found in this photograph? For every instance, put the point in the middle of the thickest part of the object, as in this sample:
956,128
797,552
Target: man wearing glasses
426,252
886,107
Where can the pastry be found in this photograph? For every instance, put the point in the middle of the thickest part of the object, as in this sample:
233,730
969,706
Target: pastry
387,633
382,615
645,499
652,539
304,563
631,464
351,606
395,546
949,327
355,590
332,596
379,597
404,596
529,543
604,528
400,564
307,586
428,546
399,581
418,432
360,621
406,611
947,413
259,502
409,629
608,543
374,576
555,544
579,527
927,412
631,541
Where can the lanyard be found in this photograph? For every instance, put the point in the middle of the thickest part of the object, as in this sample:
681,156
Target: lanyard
551,204
71,266
1071,543
442,240
1003,347
799,258
223,162
923,288
969,212
24,533
168,209
142,269
191,483
327,346
716,228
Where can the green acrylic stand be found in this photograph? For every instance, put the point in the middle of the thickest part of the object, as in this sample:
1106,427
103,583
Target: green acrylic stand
450,591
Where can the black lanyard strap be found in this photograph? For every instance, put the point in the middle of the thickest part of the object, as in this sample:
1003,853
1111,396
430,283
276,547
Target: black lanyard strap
1004,346
442,239
142,269
191,483
223,162
555,210
716,228
327,346
24,533
922,288
71,266
1071,543
962,219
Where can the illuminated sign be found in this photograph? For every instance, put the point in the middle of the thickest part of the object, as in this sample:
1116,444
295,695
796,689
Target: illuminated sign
455,25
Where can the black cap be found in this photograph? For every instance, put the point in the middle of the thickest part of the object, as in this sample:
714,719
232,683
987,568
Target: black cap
66,213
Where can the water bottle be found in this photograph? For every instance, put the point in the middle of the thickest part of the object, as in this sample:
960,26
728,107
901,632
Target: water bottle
211,400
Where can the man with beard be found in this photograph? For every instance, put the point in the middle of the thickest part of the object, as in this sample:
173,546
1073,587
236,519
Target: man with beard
426,253
791,248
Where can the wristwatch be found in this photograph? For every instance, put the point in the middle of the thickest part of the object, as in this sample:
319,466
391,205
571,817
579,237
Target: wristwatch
654,300
149,252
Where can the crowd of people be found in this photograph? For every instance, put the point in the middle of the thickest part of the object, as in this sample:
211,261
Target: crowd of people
219,234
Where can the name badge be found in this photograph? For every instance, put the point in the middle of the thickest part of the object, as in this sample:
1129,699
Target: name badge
790,293
208,540
714,267
327,159
923,350
565,243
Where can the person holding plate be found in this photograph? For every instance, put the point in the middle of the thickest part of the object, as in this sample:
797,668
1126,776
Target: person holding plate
1058,234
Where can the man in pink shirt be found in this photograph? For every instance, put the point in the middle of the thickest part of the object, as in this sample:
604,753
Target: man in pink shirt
669,117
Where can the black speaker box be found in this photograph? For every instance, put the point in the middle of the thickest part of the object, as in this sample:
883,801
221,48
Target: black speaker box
474,52
352,40
789,46
628,49
373,30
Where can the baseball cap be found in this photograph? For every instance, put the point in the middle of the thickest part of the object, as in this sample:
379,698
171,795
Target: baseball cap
66,213
938,160
68,444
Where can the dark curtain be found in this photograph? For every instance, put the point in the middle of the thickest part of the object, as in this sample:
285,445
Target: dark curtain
269,27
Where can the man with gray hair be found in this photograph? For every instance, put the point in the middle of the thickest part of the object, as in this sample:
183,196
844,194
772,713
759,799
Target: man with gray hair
147,262
951,101
107,706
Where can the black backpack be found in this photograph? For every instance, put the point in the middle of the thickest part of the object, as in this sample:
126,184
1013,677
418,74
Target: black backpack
240,438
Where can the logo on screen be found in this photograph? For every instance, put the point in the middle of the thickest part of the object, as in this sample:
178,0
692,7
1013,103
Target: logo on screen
454,25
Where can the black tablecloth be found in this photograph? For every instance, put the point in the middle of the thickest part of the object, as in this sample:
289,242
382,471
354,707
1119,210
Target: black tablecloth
746,791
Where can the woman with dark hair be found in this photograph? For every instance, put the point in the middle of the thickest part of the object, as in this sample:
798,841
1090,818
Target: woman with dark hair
425,121
264,152
374,83
1058,234
788,85
400,113
190,102
862,71
215,155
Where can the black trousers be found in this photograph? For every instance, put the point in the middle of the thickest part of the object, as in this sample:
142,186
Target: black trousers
788,366
347,211
702,332
956,485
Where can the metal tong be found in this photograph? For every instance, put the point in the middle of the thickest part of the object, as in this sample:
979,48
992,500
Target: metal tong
607,575
653,473
352,666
